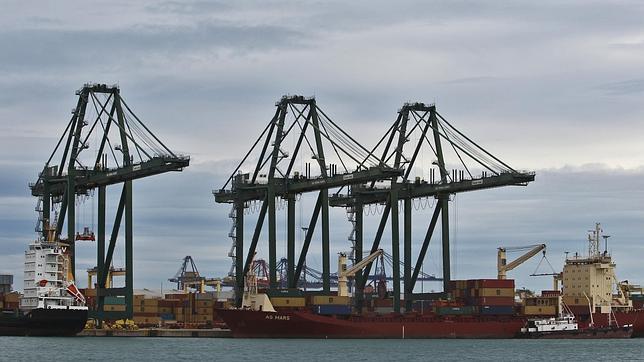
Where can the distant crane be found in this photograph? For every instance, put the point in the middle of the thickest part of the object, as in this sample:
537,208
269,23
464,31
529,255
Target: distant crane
503,266
188,277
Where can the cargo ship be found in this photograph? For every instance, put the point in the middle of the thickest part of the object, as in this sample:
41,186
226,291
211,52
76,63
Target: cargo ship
481,308
332,316
51,304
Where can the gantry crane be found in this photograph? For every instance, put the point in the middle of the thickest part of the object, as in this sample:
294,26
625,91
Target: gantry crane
419,129
188,277
105,144
503,266
274,177
344,273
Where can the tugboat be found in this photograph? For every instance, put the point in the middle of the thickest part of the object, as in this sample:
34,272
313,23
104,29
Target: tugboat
566,327
51,305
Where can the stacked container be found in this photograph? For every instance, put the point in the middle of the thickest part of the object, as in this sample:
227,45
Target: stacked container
330,304
484,296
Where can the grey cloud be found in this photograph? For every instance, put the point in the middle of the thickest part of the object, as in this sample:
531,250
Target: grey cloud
128,48
626,87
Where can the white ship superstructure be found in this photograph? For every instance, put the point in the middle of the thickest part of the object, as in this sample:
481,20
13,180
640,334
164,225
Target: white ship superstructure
45,279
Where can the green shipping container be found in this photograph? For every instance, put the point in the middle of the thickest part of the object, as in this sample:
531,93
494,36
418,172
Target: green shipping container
111,300
466,310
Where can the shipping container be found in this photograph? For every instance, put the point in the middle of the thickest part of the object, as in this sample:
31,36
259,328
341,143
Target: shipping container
170,303
12,297
204,296
504,301
496,310
464,310
6,279
549,310
204,303
284,293
114,300
491,283
179,296
167,316
294,302
204,311
332,309
383,310
492,292
329,299
151,302
114,307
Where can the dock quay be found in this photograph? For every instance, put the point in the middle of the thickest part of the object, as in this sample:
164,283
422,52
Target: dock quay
154,332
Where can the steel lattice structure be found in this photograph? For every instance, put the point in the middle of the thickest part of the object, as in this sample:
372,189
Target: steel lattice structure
116,129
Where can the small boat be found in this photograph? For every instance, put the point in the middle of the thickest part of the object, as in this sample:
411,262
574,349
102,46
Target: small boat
565,326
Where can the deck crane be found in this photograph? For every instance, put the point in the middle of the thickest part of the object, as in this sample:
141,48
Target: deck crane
503,267
344,273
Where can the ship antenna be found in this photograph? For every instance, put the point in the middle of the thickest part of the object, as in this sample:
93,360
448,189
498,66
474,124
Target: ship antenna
605,243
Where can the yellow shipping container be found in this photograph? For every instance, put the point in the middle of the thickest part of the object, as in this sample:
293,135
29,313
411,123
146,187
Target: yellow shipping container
204,303
204,311
151,302
288,301
12,297
329,299
147,309
540,310
202,318
492,292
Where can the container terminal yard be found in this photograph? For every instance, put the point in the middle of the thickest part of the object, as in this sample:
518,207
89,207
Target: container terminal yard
422,157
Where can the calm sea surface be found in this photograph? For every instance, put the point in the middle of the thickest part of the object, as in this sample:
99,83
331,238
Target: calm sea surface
224,349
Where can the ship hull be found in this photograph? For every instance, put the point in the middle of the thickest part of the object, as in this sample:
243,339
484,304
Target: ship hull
303,324
588,333
44,322
634,317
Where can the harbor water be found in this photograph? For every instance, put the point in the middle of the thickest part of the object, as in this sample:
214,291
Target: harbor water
227,349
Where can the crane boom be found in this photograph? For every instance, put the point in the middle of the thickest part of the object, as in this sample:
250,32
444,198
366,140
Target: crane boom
344,273
503,267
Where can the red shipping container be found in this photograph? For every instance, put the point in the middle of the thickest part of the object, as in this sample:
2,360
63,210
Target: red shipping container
494,283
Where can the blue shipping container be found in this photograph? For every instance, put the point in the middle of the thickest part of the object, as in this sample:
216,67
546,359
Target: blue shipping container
328,309
167,316
497,310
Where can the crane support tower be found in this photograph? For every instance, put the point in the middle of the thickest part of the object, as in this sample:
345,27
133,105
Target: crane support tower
503,266
104,144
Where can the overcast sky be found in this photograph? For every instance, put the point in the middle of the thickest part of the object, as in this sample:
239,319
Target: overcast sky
553,86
